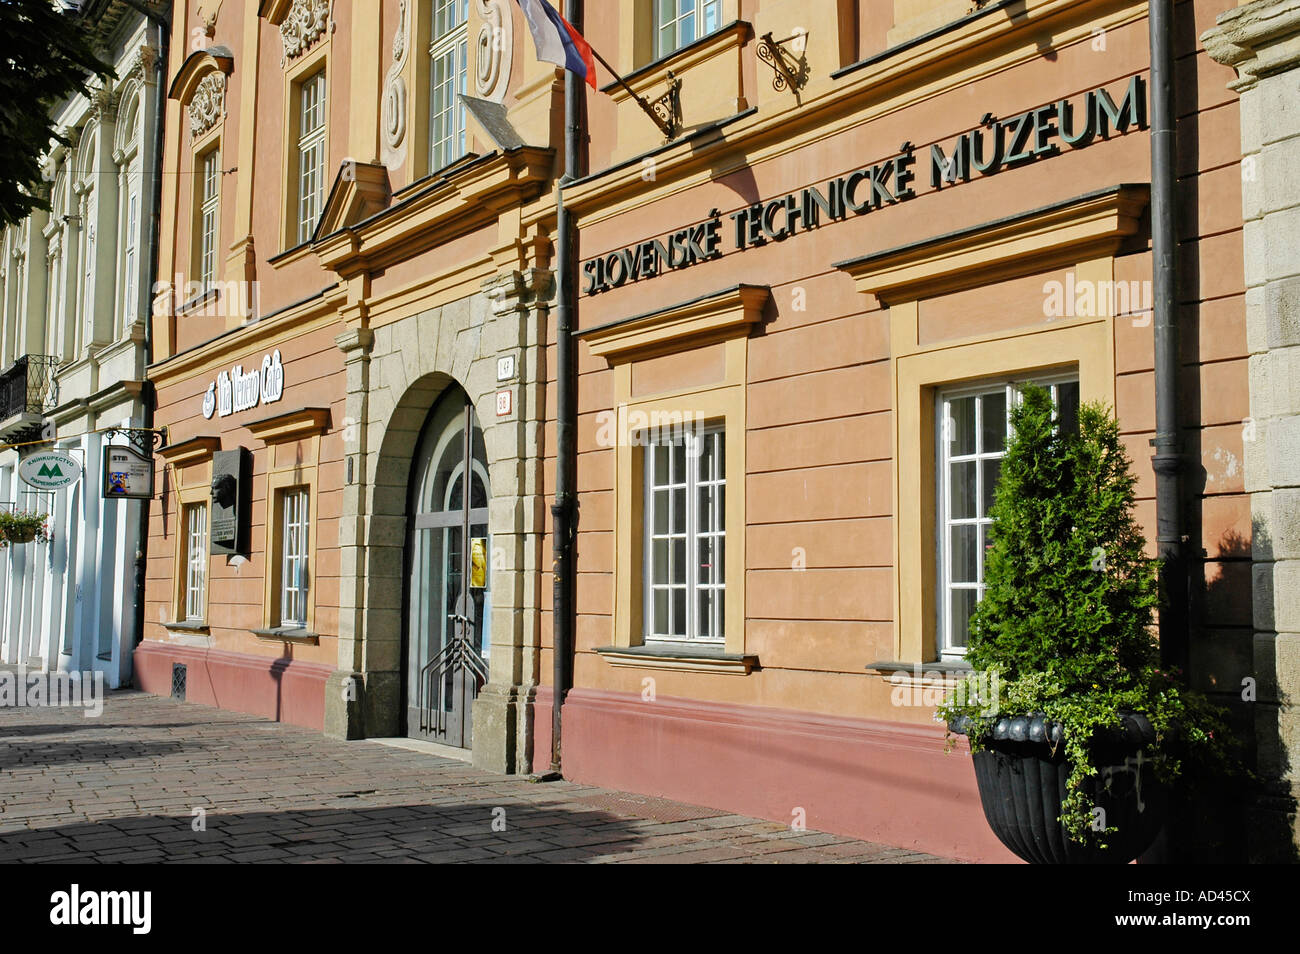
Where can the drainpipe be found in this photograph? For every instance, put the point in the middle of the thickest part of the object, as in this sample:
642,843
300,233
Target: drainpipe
564,510
163,24
1168,460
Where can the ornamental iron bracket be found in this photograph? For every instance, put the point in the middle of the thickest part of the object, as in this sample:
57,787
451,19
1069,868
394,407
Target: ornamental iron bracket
666,111
789,72
145,439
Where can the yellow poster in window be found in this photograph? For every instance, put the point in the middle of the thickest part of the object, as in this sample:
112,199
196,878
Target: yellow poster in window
478,563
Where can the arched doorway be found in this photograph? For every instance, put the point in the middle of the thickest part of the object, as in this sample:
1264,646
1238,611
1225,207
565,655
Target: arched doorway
448,597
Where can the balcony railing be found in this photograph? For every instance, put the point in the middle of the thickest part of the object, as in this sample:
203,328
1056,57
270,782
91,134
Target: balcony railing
27,387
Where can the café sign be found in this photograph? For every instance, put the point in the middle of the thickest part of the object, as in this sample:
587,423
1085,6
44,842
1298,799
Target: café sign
994,145
239,390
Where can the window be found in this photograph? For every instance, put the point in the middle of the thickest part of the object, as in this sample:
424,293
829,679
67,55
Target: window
448,55
685,520
129,264
196,562
210,199
293,563
311,154
679,22
974,424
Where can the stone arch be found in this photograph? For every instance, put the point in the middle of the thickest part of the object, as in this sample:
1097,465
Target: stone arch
395,375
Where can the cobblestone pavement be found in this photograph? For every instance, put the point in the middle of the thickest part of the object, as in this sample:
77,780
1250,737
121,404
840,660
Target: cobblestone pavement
124,788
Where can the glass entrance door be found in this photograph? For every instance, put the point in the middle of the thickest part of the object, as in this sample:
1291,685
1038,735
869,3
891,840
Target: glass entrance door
450,588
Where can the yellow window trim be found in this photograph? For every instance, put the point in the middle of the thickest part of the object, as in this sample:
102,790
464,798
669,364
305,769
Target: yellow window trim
194,486
315,60
1086,233
282,475
726,318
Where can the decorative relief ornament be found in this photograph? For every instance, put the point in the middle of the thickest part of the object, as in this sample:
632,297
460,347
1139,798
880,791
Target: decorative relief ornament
208,105
304,24
495,50
394,146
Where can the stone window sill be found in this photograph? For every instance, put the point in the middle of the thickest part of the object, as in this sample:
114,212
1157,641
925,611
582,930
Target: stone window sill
680,658
288,634
944,671
188,626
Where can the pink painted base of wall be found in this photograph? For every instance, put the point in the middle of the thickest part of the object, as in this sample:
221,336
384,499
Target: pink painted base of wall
281,689
885,782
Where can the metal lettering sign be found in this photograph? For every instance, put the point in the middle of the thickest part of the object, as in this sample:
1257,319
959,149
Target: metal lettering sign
128,474
994,145
239,390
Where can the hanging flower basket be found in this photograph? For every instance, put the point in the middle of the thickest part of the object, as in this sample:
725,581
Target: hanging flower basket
23,527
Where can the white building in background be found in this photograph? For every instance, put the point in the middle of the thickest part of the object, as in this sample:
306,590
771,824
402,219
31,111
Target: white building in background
74,299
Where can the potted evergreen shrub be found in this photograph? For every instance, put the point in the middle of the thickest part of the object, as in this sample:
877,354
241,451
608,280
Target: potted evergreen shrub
1076,731
21,527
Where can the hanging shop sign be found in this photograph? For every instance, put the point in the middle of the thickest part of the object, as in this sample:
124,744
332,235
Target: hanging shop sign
128,474
50,470
239,390
994,145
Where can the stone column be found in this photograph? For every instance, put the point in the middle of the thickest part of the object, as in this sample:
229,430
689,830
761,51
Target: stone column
1261,40
503,711
347,690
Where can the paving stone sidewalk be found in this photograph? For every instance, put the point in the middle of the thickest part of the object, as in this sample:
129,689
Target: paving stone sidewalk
125,787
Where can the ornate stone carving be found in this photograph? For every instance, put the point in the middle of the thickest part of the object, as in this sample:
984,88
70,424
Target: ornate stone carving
208,105
305,23
494,50
394,145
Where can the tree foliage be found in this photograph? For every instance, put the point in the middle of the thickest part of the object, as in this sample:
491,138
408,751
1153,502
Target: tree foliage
1065,625
46,55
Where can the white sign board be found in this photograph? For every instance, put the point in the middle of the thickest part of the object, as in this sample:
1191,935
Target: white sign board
50,470
128,474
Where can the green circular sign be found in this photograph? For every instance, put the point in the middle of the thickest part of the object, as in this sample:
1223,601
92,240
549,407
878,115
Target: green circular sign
50,470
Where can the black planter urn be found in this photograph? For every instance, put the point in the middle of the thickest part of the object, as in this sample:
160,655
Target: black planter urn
1022,770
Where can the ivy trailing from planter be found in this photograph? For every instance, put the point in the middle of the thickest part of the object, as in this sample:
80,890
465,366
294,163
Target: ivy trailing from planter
21,527
1065,624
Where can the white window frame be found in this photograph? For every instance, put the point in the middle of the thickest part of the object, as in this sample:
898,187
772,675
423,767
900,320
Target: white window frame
312,105
694,579
209,211
130,258
295,518
449,50
945,522
196,562
678,23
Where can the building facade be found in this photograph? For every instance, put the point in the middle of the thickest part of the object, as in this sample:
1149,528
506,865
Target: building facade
818,242
350,361
73,343
802,322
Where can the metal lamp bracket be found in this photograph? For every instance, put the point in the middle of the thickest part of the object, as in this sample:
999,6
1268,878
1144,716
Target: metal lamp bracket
789,72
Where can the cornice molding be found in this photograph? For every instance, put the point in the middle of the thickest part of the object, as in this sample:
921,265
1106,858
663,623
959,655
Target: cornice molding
194,450
1089,226
1258,40
291,425
729,313
467,197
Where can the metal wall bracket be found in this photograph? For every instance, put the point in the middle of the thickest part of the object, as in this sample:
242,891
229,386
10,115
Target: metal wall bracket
666,111
789,72
144,439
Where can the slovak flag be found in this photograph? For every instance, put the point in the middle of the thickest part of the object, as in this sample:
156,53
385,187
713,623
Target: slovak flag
557,41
